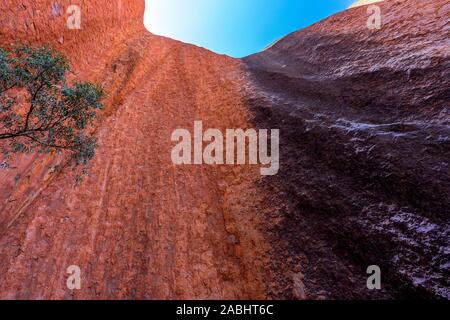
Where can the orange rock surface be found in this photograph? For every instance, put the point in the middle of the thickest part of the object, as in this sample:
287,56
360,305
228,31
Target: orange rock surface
140,227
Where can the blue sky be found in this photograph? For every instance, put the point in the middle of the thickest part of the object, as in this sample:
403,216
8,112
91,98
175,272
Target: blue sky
235,27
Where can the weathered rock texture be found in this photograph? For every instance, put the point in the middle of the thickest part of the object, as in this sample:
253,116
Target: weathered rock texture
363,3
364,173
365,131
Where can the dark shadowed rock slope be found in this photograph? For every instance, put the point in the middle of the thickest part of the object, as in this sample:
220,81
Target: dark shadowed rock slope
364,178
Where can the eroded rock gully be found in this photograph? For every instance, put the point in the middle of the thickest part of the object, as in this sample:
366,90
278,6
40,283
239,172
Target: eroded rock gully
364,173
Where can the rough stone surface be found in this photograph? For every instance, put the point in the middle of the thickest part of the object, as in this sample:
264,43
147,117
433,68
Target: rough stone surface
364,2
364,116
364,179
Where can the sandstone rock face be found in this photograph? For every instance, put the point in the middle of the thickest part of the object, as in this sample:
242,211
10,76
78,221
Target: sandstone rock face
364,116
138,227
363,3
364,179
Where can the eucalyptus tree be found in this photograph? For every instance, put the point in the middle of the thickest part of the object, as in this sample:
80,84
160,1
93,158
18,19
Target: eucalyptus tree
39,110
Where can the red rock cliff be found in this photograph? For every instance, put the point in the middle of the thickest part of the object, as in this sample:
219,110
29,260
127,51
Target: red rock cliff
364,177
